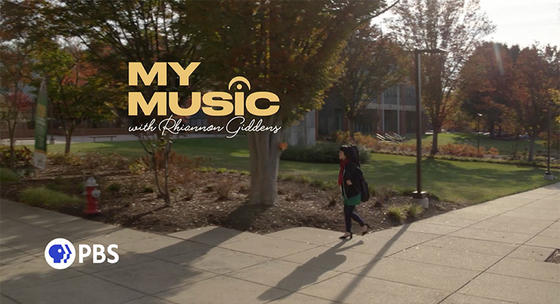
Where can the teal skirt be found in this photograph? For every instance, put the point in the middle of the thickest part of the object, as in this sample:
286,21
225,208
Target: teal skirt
352,201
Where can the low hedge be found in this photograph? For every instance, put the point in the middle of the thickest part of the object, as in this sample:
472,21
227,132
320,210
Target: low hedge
42,196
319,153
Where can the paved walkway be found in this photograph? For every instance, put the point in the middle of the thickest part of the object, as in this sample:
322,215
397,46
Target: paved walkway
489,253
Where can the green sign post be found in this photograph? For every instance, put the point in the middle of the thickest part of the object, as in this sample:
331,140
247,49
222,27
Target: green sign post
40,155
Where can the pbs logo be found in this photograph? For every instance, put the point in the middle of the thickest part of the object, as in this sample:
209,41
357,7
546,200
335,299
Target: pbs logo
60,253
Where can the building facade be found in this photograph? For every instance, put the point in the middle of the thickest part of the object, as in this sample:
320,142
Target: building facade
392,111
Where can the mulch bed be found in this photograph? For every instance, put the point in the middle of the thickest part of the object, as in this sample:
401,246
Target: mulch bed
211,198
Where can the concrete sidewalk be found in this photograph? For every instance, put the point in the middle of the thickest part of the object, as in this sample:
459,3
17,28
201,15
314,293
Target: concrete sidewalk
489,253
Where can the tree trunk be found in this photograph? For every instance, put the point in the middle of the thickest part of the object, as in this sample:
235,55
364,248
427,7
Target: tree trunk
264,159
68,135
434,149
531,155
155,155
162,186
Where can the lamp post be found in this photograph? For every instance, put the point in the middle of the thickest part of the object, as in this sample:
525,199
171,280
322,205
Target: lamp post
478,116
548,175
420,196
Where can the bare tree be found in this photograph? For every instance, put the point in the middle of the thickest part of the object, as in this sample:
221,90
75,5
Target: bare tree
456,26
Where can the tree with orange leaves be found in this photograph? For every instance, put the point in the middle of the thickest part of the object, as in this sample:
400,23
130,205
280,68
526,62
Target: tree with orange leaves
485,85
533,93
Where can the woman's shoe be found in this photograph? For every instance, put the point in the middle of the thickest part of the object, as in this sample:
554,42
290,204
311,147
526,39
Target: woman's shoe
364,232
346,236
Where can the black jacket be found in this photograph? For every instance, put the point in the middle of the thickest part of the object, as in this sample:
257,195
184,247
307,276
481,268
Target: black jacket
352,173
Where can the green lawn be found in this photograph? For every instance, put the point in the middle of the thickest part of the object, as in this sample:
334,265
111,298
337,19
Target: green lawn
450,180
505,147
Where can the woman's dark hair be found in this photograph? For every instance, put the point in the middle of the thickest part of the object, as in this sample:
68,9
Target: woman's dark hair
351,153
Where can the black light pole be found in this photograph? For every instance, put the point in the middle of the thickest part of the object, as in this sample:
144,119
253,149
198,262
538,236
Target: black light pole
420,195
478,116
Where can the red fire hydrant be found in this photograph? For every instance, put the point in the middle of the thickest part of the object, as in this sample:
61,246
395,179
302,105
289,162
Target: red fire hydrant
92,194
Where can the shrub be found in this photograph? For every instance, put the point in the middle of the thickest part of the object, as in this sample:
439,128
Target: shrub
342,137
361,140
413,211
493,151
221,170
137,167
319,153
42,196
65,159
458,150
22,157
366,141
205,169
396,214
400,148
7,175
465,150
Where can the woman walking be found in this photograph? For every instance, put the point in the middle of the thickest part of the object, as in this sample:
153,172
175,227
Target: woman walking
349,181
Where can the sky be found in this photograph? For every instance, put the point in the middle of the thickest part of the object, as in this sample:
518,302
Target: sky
521,22
524,21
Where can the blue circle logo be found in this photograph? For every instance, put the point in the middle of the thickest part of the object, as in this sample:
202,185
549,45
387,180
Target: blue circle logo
60,253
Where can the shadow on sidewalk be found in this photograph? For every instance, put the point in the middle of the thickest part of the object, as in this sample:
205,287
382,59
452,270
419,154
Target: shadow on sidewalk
39,283
327,261
352,285
137,279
